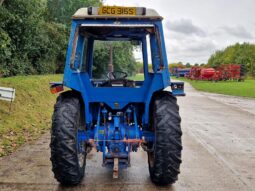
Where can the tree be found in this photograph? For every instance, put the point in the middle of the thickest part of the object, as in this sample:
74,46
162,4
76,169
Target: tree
20,21
123,59
61,11
139,68
235,54
30,42
176,65
187,65
34,36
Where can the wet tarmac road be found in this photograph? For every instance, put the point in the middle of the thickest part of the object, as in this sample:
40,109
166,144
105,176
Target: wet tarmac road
219,154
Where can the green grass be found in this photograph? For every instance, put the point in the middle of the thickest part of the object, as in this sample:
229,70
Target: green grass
243,89
138,77
31,110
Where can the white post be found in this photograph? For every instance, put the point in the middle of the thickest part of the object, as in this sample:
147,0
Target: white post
7,94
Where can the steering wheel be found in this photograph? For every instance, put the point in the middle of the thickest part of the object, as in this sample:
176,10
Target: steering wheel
117,75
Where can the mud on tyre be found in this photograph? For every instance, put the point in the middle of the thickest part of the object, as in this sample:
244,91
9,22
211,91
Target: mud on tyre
164,158
68,161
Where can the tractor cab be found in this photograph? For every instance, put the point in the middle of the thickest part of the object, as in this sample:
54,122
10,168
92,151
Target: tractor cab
138,27
110,110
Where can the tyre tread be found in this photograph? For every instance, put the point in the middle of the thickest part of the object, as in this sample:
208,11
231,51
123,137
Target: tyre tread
64,159
168,145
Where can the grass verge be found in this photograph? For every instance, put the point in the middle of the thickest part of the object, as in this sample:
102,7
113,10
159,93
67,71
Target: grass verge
31,110
242,89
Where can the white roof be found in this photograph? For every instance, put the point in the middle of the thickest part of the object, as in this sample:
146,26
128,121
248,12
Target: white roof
82,13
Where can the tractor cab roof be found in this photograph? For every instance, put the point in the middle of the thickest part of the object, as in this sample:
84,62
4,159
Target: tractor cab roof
116,13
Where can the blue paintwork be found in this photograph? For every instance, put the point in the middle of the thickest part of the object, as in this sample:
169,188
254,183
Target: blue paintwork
116,114
111,134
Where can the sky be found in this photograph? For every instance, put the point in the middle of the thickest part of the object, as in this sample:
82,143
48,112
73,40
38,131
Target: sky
195,29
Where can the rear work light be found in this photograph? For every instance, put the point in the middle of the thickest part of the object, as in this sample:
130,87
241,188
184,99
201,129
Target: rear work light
117,11
56,87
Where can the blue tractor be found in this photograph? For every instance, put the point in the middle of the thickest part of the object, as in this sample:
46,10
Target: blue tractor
116,115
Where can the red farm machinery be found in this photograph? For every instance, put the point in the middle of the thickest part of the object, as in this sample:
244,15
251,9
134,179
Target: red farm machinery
223,73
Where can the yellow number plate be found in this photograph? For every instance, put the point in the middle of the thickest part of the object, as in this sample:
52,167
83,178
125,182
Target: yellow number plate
114,10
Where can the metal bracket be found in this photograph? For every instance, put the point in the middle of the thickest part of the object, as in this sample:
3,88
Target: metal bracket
178,88
116,168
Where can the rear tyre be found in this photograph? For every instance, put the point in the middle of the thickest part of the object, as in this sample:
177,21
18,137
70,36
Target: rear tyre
165,156
68,157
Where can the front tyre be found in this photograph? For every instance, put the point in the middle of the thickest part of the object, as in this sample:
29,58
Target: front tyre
165,156
68,154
